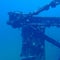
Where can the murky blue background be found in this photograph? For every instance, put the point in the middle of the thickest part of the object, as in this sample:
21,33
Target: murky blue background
10,39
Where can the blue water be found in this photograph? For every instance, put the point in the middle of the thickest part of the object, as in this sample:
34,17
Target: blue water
10,39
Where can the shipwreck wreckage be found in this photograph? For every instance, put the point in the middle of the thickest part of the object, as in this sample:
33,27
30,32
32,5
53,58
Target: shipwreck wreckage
33,31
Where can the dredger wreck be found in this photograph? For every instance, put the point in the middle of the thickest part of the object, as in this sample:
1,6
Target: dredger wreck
33,31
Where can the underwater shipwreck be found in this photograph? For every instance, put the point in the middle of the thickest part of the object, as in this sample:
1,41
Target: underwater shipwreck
33,31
